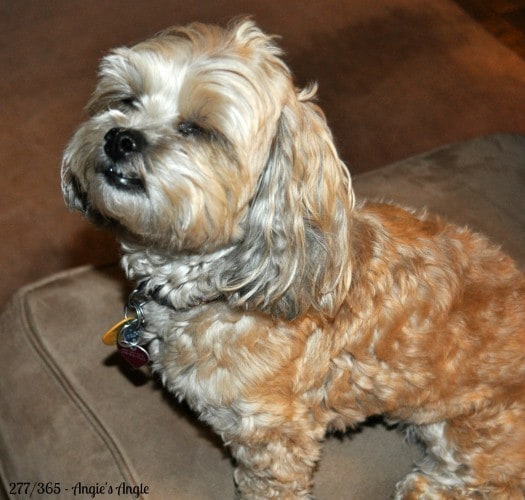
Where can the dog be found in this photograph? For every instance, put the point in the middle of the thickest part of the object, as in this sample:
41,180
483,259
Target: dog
272,301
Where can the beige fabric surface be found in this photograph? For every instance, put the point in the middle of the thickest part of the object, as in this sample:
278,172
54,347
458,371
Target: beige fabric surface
72,412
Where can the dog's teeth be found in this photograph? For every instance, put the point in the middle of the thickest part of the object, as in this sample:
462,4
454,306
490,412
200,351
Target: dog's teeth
122,181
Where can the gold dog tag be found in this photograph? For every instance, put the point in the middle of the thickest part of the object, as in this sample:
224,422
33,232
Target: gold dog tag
111,336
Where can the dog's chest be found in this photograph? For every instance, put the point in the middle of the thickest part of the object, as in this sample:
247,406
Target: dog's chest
231,365
211,355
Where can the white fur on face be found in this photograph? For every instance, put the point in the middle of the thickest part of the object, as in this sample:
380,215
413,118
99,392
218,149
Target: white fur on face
197,184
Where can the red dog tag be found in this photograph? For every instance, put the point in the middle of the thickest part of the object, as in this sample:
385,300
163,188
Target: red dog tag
136,356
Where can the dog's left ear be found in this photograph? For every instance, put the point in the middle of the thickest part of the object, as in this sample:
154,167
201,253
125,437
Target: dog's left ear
295,256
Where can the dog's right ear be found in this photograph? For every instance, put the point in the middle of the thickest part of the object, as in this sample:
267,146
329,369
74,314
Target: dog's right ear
296,252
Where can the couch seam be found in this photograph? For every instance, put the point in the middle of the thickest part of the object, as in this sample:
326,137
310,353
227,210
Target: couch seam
33,335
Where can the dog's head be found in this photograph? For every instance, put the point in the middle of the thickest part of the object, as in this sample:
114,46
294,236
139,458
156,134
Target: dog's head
197,140
180,128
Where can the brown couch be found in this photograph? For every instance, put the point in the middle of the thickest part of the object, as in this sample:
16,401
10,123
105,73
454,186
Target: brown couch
74,417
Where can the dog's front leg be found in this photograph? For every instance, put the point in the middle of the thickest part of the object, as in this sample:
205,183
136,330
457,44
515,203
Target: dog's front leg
275,464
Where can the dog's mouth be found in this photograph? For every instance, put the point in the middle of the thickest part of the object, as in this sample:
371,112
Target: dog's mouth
120,178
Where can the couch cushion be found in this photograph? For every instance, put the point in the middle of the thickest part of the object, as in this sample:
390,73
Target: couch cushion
72,412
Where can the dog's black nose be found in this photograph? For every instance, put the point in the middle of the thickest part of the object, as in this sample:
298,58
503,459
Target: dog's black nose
123,141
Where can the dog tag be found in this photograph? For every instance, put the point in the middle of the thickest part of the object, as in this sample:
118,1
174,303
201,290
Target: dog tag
136,356
129,335
111,336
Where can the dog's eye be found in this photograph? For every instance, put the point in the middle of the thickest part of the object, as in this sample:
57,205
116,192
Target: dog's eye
188,129
129,102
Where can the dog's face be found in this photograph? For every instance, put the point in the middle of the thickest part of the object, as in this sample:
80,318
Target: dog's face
180,129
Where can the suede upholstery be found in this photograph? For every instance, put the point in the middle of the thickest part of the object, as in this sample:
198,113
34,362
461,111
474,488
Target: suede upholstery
72,412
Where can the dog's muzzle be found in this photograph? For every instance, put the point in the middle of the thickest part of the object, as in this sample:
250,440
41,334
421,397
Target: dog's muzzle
120,145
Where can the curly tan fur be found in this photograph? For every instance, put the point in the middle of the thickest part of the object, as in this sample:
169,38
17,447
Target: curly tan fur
283,308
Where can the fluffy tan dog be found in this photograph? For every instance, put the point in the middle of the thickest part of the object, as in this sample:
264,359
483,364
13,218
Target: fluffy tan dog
270,300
